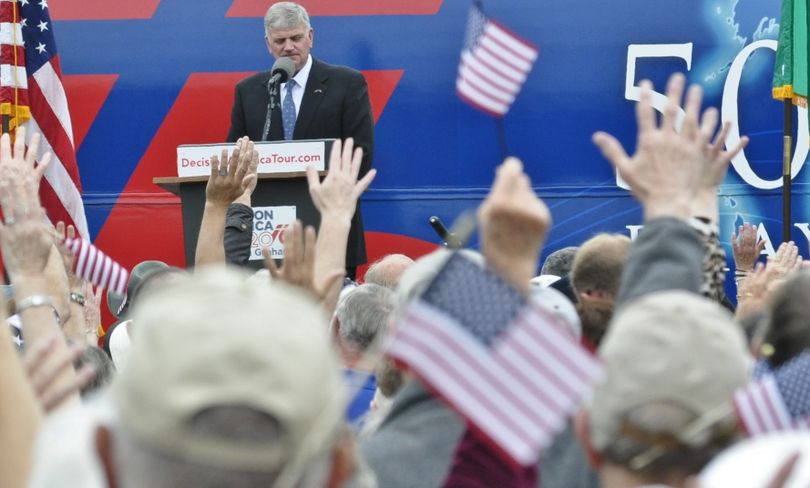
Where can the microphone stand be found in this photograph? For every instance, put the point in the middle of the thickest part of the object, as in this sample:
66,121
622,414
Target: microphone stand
272,89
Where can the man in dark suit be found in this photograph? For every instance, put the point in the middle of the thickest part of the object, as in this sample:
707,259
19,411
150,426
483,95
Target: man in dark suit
320,101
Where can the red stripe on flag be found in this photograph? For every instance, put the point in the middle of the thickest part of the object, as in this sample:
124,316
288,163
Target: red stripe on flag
510,49
497,70
486,90
476,104
53,131
500,57
501,82
428,348
517,38
7,12
558,339
91,263
53,205
451,343
13,55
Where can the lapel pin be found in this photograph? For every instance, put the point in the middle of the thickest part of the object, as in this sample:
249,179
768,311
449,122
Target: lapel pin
318,90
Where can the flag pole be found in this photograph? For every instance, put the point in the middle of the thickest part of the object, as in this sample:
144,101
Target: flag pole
787,153
502,138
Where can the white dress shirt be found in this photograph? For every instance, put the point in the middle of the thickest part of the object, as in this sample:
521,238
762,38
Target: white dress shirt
301,82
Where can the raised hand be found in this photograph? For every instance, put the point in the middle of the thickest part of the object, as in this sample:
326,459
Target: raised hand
786,260
298,268
669,168
231,177
24,235
45,363
513,223
745,247
338,193
61,233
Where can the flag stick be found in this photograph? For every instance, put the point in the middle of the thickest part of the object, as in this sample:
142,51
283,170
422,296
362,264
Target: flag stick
787,153
502,138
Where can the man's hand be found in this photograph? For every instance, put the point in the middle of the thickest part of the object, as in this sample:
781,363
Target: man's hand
298,268
745,247
233,176
339,192
514,223
669,168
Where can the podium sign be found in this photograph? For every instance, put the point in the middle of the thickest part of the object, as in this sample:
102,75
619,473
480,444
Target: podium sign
275,157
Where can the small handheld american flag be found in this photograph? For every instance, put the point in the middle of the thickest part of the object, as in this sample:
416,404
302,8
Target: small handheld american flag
92,265
503,363
779,400
494,64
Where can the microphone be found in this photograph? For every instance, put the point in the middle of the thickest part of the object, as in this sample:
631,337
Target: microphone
283,69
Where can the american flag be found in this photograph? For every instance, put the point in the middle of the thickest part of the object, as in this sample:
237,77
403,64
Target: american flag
92,265
494,64
32,94
779,400
506,365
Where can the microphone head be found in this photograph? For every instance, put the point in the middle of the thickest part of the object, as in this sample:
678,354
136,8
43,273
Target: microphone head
285,67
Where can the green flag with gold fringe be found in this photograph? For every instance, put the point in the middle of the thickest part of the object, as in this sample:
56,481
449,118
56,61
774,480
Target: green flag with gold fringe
790,70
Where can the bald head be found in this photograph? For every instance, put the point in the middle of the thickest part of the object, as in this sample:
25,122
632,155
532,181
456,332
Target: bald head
598,264
387,270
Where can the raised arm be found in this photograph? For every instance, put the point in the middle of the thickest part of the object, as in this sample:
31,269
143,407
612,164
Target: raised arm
668,173
336,199
229,180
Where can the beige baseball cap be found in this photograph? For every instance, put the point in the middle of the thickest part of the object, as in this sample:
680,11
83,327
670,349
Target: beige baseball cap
215,340
667,346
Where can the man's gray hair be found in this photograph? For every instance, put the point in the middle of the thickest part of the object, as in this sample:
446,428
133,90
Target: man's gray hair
559,262
285,15
138,464
362,313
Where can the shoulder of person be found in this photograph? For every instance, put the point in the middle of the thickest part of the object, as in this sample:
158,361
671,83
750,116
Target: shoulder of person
335,69
259,78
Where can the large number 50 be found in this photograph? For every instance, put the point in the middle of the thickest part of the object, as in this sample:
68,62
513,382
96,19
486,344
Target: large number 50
729,110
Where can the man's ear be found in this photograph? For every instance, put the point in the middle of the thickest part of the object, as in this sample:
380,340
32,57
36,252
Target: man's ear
344,462
582,429
105,453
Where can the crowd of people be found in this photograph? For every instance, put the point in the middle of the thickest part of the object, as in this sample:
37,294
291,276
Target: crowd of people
216,377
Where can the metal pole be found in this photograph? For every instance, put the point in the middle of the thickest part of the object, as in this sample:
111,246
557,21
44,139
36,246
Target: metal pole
787,155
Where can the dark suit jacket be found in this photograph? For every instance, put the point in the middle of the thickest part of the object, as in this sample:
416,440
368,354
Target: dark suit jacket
335,105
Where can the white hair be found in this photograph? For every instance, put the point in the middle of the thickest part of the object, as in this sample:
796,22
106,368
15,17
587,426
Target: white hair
285,15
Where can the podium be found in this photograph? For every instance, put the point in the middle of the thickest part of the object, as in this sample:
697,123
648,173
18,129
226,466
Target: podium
281,182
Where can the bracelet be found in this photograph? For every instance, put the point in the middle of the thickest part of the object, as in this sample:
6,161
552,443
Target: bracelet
34,301
77,298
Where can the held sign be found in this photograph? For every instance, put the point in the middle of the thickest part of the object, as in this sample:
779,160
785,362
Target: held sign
274,157
269,224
